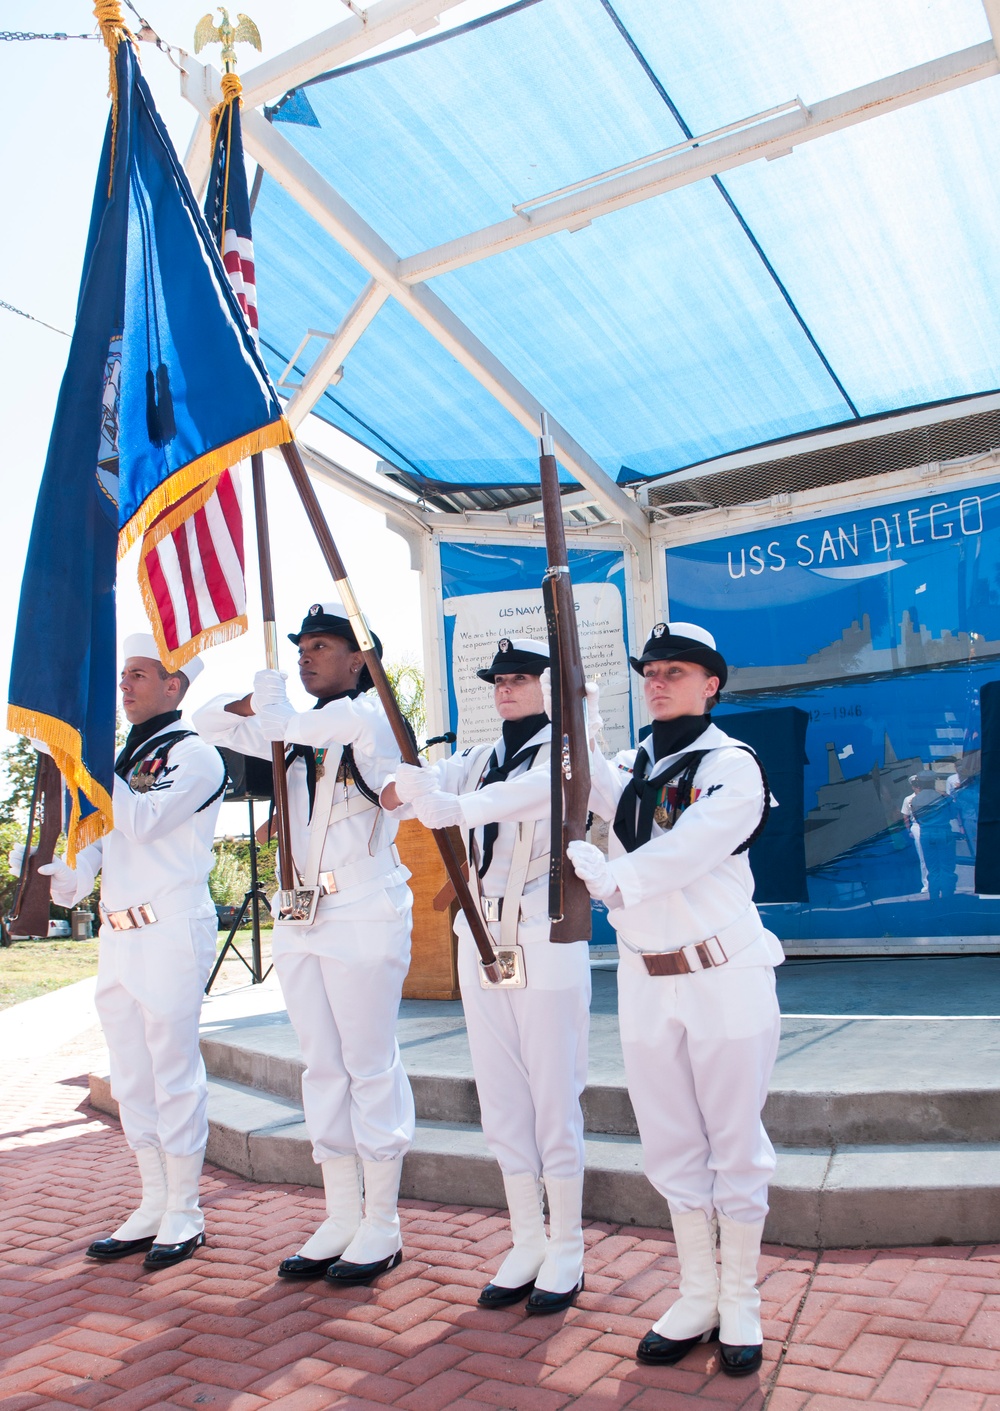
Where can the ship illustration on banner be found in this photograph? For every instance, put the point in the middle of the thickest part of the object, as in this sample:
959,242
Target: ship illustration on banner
853,657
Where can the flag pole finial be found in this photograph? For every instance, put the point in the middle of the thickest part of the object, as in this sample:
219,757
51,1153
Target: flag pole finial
227,34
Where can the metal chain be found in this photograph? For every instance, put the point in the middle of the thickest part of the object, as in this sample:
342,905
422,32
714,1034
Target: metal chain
11,309
149,34
24,34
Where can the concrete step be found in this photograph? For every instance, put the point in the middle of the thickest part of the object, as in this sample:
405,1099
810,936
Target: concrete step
843,1083
860,1196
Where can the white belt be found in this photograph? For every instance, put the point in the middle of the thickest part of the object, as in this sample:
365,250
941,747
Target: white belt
147,913
706,954
352,874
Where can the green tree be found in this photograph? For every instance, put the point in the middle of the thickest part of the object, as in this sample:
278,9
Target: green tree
407,682
18,762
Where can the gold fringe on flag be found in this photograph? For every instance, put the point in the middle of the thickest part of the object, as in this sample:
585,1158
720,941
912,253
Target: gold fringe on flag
66,747
195,473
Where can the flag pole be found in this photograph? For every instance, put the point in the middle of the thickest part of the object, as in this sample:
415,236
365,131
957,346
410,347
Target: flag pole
404,740
286,868
231,89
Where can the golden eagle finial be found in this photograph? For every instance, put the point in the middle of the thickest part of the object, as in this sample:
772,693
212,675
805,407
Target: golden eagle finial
226,34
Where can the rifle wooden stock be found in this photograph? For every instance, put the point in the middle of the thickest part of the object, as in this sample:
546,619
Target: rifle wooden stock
570,755
407,749
286,867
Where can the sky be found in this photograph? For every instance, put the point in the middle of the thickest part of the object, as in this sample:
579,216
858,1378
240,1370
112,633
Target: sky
56,112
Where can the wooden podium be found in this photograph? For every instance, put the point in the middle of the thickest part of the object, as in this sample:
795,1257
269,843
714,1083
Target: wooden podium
433,970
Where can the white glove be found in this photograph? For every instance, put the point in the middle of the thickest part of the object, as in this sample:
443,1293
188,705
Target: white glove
15,858
414,780
591,866
64,881
270,703
438,809
592,712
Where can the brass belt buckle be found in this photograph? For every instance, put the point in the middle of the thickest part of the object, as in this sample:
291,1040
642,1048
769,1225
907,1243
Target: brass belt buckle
328,883
492,908
143,915
513,976
297,906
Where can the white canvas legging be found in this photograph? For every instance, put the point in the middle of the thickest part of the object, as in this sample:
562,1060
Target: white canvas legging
150,985
699,1050
342,979
529,1054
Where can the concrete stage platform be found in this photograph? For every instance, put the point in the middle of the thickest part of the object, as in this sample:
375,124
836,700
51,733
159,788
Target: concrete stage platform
884,1104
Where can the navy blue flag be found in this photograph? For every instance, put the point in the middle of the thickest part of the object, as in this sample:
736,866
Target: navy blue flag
164,389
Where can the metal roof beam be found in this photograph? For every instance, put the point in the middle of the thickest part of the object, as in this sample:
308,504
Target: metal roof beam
329,209
710,156
342,43
992,8
328,362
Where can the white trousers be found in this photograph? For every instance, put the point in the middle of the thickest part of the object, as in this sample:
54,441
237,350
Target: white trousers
529,1054
699,1050
150,985
342,979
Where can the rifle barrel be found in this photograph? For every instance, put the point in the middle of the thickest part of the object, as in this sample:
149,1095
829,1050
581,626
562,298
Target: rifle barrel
570,755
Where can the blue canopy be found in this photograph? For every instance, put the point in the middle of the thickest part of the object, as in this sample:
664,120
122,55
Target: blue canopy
855,277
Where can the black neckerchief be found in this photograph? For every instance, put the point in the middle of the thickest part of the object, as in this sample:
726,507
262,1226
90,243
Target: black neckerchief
671,736
633,823
308,754
138,736
516,734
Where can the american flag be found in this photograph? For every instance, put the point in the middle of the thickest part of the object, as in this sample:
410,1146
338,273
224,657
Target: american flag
191,562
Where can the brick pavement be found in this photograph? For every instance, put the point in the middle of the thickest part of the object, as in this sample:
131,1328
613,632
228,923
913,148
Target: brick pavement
898,1328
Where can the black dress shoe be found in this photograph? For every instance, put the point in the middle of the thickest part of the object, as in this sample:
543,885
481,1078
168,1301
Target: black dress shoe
740,1361
161,1256
496,1296
110,1248
297,1266
344,1274
659,1351
541,1301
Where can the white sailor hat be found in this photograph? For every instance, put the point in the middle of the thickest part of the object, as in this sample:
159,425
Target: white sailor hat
143,644
683,641
516,654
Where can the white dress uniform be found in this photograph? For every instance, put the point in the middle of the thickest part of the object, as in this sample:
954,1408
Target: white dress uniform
342,976
699,1047
529,1046
151,976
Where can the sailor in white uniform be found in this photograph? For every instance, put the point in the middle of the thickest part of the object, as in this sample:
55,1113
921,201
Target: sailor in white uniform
529,1045
698,1013
342,975
158,941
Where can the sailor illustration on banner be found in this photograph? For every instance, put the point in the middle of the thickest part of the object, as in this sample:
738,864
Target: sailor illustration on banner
342,948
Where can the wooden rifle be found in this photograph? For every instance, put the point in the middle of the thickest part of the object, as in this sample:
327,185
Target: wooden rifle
569,900
29,914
